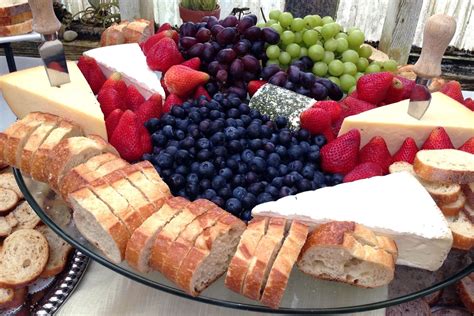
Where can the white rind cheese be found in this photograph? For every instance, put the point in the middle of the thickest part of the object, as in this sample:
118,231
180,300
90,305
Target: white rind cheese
395,205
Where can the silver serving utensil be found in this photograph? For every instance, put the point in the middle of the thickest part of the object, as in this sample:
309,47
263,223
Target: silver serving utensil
52,50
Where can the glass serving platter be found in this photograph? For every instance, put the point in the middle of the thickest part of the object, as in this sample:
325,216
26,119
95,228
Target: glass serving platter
304,295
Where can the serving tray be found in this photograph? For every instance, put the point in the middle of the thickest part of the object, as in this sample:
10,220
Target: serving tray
303,295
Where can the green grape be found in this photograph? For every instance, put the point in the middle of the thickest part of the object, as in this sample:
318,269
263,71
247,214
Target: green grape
282,46
310,37
327,19
297,24
341,35
318,28
372,68
350,56
261,24
342,45
330,45
329,30
319,20
274,14
336,68
355,38
335,80
352,89
310,21
347,82
285,19
352,28
316,52
294,50
303,51
287,37
273,62
358,75
378,63
319,43
272,21
365,51
328,57
390,65
298,37
350,68
277,27
320,69
273,51
362,64
284,58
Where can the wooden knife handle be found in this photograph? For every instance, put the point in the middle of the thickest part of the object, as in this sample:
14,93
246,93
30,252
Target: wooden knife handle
44,20
439,30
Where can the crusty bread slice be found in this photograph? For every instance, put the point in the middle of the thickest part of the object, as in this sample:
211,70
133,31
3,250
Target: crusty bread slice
469,212
240,262
6,296
4,138
463,231
11,298
5,227
445,165
17,29
262,261
332,252
96,222
7,181
72,152
151,174
141,242
11,8
25,216
211,254
468,190
465,289
8,200
281,269
11,220
23,257
39,162
59,251
453,209
400,166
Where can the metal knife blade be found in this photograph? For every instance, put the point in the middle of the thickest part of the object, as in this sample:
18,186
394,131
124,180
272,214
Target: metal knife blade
420,98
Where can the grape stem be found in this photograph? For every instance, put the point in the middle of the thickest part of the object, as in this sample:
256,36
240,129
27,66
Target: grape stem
263,15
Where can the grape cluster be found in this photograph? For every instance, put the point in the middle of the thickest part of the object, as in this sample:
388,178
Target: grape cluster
223,151
333,53
230,50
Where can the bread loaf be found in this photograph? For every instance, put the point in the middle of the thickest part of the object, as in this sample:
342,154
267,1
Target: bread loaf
137,31
13,7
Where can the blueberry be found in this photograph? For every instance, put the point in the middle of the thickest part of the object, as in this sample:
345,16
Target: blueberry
206,169
241,131
269,147
319,140
218,182
204,184
204,111
165,160
168,119
181,156
204,126
295,166
285,191
249,200
255,144
192,152
219,162
233,206
308,172
244,108
239,122
264,197
186,105
281,121
232,164
303,134
242,167
195,167
179,134
235,146
225,192
147,156
213,105
192,189
231,133
257,121
231,122
251,177
214,114
152,124
176,181
273,191
171,150
313,155
217,139
220,151
254,114
173,143
319,179
295,152
238,180
246,119
247,155
159,139
192,178
218,201
304,185
253,130
305,147
166,173
281,151
233,113
271,173
234,101
246,215
283,170
243,142
266,131
204,155
284,137
256,188
178,111
273,160
337,178
209,194
226,173
187,142
226,104
203,143
258,164
239,193
194,131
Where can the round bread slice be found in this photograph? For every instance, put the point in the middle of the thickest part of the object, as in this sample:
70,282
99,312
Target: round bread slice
453,209
59,251
26,217
8,200
23,258
11,298
465,290
7,181
463,231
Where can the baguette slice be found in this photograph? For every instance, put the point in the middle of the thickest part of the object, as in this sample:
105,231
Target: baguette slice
5,227
151,174
142,240
58,252
17,29
8,200
23,257
463,231
96,222
445,165
26,217
468,190
280,272
211,254
7,181
334,252
39,162
453,209
240,262
465,289
469,212
4,138
11,298
262,261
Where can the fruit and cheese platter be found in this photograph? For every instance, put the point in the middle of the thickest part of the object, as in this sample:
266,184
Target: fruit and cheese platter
263,166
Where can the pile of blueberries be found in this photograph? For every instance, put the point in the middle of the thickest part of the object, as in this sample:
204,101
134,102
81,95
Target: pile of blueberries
226,152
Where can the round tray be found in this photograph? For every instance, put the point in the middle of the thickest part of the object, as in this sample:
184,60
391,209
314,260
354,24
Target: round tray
304,295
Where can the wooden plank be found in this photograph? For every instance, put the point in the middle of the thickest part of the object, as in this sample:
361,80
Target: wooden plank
302,8
399,28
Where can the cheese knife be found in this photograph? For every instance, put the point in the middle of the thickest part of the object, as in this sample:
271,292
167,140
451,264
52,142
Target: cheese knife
51,50
438,32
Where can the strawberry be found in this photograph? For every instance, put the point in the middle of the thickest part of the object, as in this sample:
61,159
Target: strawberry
157,98
163,85
453,90
170,101
341,154
145,140
332,107
147,110
91,71
153,40
438,139
376,151
407,86
329,134
395,92
254,85
407,151
355,106
354,94
468,146
469,103
133,98
315,120
193,63
115,82
126,137
181,80
363,171
163,55
164,27
112,121
373,87
109,100
201,91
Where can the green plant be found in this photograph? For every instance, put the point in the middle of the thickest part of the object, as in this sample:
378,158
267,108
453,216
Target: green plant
199,5
100,13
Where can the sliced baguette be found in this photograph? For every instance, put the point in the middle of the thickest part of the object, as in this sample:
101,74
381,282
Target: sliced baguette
25,216
468,190
463,231
7,181
332,252
211,254
5,227
17,29
240,262
96,222
151,174
11,298
465,290
143,238
8,200
4,138
445,165
23,257
280,272
453,209
469,212
59,251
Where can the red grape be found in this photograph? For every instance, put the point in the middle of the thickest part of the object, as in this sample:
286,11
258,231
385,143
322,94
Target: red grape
242,48
203,35
307,79
236,68
294,74
208,52
196,50
217,28
279,79
222,76
251,63
212,21
226,36
253,33
230,20
270,35
226,55
318,91
188,29
244,24
257,47
213,67
187,41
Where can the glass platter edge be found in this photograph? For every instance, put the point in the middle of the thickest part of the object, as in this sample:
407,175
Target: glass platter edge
223,303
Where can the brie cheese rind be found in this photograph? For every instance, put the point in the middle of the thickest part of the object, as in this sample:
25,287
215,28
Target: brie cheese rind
396,205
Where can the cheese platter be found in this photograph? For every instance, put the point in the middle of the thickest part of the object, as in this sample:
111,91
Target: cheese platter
200,163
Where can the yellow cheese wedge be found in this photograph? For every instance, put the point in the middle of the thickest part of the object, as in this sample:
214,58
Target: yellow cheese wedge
29,90
393,123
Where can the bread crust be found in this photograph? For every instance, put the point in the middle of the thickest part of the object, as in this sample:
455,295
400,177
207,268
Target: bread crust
17,29
453,209
8,200
54,268
7,181
15,9
468,190
151,174
461,241
16,141
465,290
